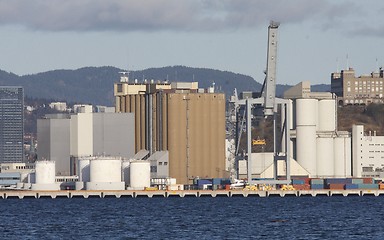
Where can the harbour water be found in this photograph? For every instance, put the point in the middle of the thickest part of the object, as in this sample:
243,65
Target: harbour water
191,218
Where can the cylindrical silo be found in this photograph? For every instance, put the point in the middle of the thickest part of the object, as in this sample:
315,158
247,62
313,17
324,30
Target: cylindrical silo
83,168
339,156
306,112
325,163
342,156
105,169
306,148
306,119
327,115
125,171
45,172
140,174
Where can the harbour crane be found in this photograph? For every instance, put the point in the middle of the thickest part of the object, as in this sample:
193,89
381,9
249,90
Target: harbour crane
270,105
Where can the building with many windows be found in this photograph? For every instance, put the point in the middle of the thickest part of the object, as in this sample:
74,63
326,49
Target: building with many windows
368,153
11,124
364,89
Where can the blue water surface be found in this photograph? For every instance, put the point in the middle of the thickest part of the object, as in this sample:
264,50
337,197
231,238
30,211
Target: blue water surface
193,218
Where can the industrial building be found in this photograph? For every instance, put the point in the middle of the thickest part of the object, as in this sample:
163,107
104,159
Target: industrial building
11,124
364,89
64,138
181,118
318,146
368,153
53,141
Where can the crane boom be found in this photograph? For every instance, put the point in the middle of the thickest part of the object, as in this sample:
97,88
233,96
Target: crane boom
269,92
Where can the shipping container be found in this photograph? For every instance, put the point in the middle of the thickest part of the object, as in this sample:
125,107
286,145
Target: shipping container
336,186
368,186
357,180
302,187
381,186
317,186
351,186
298,181
368,180
317,181
328,181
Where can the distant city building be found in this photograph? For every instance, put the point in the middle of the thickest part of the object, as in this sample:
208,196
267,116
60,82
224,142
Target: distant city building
82,108
365,89
59,106
11,124
104,109
179,117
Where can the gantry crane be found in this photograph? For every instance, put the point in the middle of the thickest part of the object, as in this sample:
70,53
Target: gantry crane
270,104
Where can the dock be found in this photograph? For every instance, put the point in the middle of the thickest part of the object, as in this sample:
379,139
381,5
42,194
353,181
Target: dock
21,194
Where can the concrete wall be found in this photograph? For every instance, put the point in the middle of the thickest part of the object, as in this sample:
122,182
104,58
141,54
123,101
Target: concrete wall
53,137
113,134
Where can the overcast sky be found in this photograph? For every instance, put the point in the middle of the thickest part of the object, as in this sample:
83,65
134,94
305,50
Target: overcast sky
315,37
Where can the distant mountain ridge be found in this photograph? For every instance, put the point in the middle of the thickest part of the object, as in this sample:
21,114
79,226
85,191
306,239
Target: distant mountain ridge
94,85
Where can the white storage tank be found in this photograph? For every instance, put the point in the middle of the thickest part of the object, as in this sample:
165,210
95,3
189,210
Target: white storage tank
325,163
327,115
140,174
306,148
125,171
342,156
45,172
83,170
306,112
105,169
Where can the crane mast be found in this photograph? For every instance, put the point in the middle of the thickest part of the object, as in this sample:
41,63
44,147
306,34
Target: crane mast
269,103
270,78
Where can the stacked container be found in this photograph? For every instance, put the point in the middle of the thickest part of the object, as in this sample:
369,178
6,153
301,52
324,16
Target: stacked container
317,183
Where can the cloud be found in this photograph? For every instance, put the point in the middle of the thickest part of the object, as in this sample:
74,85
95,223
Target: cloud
155,15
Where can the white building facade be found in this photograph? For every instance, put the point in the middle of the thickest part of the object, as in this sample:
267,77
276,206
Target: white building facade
368,153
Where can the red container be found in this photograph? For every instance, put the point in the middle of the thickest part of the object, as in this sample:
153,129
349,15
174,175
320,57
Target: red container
302,186
228,187
367,180
336,186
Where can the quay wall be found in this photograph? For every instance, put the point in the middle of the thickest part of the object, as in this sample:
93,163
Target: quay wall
21,194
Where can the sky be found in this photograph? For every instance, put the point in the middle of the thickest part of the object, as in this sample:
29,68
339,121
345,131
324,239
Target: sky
315,37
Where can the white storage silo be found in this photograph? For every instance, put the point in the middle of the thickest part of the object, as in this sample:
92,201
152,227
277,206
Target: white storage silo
125,171
105,169
45,172
306,148
342,156
140,174
306,119
327,115
306,112
325,163
83,170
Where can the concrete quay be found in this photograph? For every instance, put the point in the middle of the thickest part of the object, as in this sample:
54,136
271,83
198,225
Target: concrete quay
21,194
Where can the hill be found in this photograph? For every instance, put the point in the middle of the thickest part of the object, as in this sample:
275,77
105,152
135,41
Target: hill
94,85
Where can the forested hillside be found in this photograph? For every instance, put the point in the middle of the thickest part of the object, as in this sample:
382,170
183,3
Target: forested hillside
94,85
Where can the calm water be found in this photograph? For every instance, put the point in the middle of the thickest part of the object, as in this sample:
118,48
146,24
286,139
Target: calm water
194,218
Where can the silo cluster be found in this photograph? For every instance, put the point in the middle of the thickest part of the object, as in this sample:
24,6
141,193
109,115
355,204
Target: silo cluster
320,149
110,173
